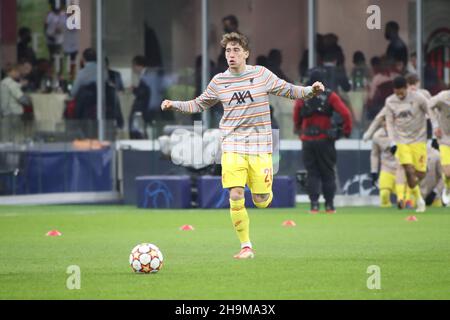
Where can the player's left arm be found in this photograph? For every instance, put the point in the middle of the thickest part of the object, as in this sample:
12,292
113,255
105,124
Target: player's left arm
282,88
375,125
433,112
439,174
424,105
339,106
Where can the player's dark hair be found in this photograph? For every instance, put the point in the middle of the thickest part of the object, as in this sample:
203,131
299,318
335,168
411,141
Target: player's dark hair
412,78
399,82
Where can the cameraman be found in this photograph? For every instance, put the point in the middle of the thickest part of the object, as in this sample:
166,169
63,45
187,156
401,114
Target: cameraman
318,130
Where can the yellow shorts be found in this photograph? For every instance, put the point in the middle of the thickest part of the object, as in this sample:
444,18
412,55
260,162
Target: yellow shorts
254,170
387,181
445,155
414,154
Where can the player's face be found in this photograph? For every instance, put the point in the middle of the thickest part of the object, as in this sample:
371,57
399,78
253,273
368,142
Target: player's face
414,87
400,93
236,55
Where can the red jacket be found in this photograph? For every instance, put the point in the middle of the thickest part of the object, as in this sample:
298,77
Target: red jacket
322,121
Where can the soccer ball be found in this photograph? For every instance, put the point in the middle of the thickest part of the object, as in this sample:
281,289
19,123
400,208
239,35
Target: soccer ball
146,258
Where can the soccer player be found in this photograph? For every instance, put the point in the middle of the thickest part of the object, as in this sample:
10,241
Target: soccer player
389,178
383,161
440,107
246,128
407,128
414,85
432,185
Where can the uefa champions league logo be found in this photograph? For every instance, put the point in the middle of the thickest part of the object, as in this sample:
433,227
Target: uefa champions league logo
158,194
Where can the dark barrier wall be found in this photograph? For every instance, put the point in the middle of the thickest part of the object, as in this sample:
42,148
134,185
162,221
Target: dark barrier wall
353,170
59,171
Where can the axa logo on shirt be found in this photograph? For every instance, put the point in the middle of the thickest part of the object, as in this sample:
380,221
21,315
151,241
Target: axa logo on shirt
241,97
404,114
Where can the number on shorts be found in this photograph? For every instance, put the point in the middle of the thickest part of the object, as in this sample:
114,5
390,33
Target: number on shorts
268,173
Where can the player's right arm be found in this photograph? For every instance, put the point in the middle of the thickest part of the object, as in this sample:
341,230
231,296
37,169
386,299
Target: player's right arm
375,125
203,102
375,154
390,128
389,116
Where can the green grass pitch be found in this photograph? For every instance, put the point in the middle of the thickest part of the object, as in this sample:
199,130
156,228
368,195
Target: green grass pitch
323,257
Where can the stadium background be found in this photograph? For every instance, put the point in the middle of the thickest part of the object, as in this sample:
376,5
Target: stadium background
47,162
172,35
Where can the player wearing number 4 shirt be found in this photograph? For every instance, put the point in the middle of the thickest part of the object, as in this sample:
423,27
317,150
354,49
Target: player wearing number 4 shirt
406,122
246,128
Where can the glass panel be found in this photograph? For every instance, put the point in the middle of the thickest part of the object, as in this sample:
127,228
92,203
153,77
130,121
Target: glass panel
155,49
48,133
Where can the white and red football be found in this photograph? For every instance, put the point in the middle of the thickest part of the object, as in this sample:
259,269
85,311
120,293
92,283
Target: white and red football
146,258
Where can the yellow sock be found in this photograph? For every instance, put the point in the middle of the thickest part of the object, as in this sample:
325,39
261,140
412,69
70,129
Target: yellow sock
416,193
385,198
400,190
408,193
240,220
437,203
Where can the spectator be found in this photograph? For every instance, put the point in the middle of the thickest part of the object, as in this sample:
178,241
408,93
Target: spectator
24,50
360,72
230,24
12,98
216,113
261,60
70,47
86,108
412,63
304,62
330,44
25,69
148,94
431,79
54,31
396,50
399,67
41,75
274,60
115,78
375,63
334,76
88,74
380,88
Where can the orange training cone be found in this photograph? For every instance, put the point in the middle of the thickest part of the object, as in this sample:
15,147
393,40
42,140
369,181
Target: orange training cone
289,223
187,227
53,233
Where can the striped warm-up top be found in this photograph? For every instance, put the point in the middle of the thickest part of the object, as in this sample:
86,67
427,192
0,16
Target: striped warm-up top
245,125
